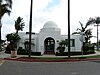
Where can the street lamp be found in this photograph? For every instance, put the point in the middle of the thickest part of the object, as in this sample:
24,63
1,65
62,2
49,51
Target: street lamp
30,28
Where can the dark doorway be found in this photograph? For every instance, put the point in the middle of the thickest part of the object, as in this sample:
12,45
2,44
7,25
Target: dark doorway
49,45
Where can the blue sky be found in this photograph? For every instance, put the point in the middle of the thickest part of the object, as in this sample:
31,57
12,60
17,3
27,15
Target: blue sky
51,10
52,4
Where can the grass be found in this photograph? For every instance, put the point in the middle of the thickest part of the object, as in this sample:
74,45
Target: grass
54,59
87,57
81,57
61,58
98,50
45,58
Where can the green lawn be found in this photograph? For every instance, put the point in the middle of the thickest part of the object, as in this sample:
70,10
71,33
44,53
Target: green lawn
86,57
63,58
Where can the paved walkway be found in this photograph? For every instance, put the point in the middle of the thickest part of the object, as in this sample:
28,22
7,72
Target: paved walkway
4,55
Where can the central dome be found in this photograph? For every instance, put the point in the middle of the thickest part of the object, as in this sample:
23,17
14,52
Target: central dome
50,24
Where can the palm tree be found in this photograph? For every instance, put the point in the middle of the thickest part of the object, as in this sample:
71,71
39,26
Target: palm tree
30,27
19,24
96,21
13,37
87,32
68,28
62,45
88,35
4,8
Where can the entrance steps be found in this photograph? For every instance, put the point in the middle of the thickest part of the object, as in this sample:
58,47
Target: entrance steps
49,53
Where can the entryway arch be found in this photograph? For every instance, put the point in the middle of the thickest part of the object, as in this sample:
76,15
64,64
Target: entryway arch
49,45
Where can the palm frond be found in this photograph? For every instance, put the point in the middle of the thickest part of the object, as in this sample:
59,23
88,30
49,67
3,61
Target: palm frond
19,24
78,29
83,29
81,24
90,22
88,32
0,1
9,2
4,9
75,33
91,36
97,20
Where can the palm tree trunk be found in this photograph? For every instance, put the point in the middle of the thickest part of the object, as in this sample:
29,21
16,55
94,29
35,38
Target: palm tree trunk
68,28
0,32
17,31
97,38
30,28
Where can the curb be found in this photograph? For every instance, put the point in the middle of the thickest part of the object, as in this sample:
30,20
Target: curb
41,60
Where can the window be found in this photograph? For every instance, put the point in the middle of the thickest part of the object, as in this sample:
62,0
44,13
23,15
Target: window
72,42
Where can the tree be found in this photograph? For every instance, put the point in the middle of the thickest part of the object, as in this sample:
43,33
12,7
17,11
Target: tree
26,44
14,37
96,21
87,32
68,28
5,7
62,45
88,35
30,27
19,24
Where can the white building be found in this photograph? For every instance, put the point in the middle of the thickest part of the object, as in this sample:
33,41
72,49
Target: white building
46,40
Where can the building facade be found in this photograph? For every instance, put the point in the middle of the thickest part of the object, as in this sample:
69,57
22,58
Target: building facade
46,40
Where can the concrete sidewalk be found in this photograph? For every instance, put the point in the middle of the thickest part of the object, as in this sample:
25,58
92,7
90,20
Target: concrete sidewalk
4,55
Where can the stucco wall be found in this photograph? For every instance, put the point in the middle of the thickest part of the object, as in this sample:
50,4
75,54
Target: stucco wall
45,34
50,29
40,38
78,43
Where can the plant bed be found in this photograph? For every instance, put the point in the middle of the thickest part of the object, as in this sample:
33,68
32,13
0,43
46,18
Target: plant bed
62,54
66,53
36,53
32,53
74,53
89,52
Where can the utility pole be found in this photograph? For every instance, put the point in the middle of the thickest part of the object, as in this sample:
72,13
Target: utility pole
97,37
68,28
30,28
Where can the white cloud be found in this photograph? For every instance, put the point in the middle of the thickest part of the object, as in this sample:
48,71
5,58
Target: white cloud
81,10
56,14
40,4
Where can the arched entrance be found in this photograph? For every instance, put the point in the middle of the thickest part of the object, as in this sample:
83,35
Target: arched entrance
49,45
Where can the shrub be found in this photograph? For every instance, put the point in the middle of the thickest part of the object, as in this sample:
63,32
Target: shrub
8,49
88,47
89,52
22,51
